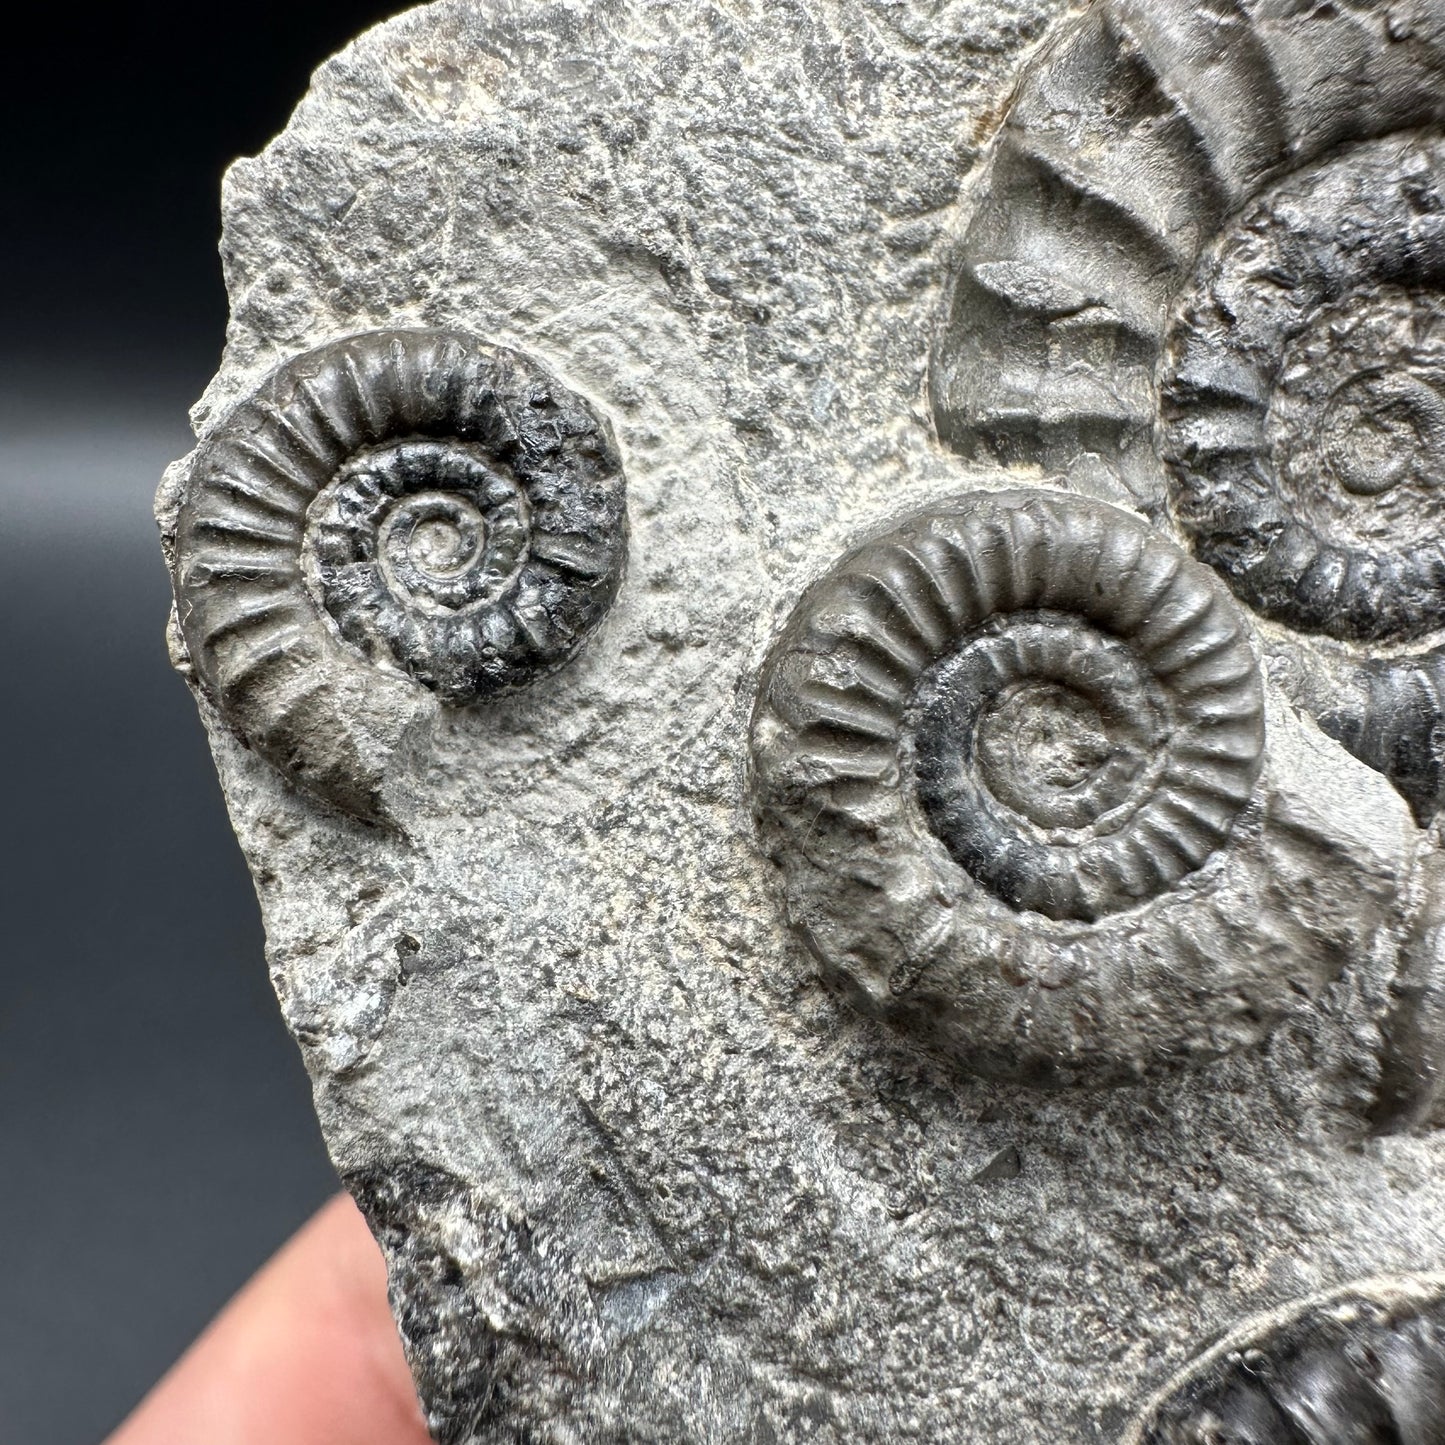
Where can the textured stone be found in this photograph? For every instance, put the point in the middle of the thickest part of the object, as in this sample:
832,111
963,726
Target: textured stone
650,1080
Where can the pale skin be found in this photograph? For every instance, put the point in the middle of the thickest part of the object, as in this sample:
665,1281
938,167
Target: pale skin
306,1354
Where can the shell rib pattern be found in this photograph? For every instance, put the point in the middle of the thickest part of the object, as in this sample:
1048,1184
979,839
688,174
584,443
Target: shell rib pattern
1007,756
1365,1364
1093,739
393,522
1203,271
1304,423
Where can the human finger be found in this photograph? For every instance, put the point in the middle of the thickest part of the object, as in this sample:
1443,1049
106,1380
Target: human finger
306,1354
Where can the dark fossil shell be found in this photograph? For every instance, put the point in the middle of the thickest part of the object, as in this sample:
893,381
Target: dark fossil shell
1364,1366
394,516
1095,723
1304,398
1295,149
1029,691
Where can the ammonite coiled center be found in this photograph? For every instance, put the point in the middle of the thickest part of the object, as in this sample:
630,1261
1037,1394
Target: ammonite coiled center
413,550
1035,737
1357,422
1304,398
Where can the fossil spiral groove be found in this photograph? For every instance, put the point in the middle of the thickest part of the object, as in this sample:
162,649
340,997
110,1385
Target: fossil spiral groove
1093,740
1366,1364
393,519
1244,202
984,743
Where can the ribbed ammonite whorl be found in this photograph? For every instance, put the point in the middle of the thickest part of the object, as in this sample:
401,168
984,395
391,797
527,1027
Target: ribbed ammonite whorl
988,736
1242,202
1304,397
1365,1366
1303,405
394,517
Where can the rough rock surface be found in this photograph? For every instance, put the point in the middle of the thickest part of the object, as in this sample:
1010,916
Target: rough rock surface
640,1173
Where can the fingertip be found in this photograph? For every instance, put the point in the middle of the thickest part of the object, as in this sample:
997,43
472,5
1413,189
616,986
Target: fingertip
306,1354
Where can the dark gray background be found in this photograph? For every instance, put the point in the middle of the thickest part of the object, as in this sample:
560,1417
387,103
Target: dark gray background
156,1137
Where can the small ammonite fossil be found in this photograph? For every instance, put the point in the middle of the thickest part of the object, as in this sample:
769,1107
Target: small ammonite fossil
1244,204
1362,1366
392,521
998,752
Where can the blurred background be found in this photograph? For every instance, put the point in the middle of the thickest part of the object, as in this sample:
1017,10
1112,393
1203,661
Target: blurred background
156,1134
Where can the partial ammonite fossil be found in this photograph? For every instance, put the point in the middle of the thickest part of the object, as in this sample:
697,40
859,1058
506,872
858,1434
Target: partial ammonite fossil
1365,1365
1204,269
1304,430
1008,757
393,521
1304,397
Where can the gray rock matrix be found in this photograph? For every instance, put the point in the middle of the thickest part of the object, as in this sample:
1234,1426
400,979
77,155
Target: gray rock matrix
822,626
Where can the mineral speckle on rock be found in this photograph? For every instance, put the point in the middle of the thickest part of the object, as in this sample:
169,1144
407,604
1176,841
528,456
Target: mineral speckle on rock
679,1031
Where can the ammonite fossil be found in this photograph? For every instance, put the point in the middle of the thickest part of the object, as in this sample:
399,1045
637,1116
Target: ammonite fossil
1304,397
1303,425
392,521
997,753
1242,203
1365,1365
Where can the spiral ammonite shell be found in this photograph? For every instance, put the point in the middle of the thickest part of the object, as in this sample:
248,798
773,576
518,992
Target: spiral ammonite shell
1240,203
987,735
1304,430
1304,420
393,520
1364,1365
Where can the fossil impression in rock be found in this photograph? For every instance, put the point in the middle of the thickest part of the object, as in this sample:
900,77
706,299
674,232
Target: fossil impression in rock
918,919
1366,1363
390,521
